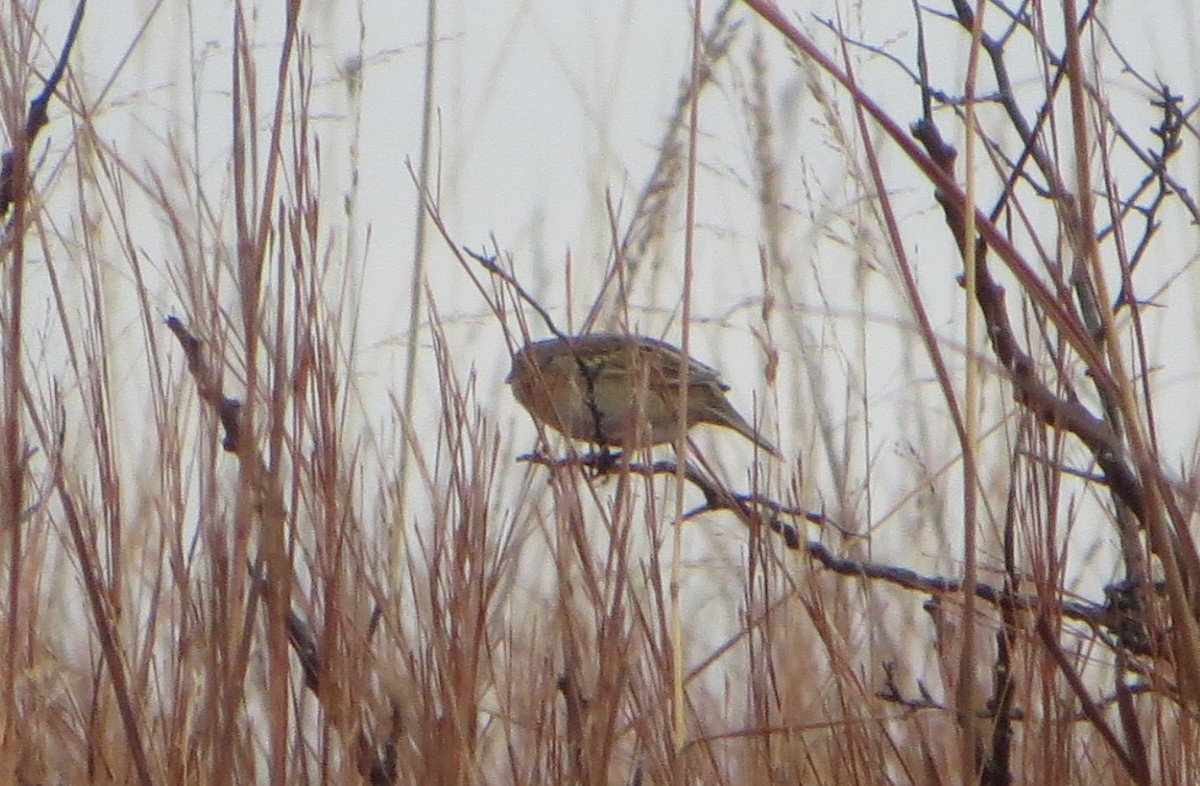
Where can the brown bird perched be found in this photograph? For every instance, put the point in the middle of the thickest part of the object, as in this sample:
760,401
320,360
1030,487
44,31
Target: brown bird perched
620,390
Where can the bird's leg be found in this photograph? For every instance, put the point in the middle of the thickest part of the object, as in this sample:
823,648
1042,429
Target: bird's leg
602,461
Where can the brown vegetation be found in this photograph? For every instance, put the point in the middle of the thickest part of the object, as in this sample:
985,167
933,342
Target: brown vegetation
253,584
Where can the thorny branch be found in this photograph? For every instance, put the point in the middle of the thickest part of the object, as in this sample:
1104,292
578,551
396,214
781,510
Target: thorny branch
924,700
750,508
15,162
1050,408
1112,615
208,384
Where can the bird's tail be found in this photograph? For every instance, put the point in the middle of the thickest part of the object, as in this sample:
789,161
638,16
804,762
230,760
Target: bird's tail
730,418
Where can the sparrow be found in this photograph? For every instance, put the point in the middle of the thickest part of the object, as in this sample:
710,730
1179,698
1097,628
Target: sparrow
623,391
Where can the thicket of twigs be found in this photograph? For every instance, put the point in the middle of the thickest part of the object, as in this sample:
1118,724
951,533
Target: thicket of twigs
248,581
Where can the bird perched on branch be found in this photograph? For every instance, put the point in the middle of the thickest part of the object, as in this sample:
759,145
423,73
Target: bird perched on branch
620,391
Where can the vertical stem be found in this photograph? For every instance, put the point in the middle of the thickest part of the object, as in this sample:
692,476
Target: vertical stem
11,460
681,442
417,279
965,693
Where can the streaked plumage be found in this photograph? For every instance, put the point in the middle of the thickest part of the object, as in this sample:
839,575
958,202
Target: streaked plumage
592,388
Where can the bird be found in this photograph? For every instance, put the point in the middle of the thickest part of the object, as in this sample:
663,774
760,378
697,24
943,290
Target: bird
620,390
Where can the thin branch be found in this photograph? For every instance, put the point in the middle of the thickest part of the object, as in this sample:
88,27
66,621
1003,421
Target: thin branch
208,384
16,160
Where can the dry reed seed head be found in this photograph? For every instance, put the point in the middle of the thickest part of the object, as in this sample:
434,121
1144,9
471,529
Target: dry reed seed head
620,390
